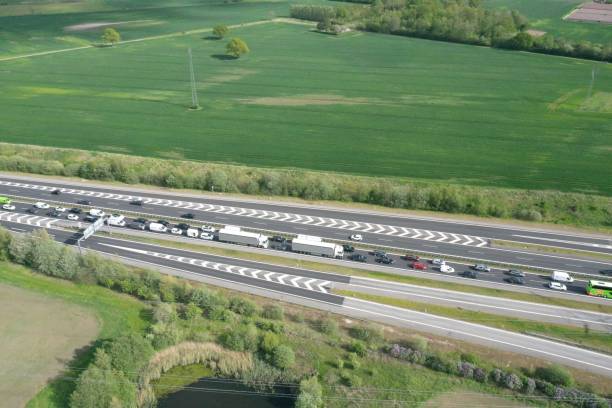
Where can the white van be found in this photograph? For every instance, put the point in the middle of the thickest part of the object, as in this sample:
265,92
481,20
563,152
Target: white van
157,227
558,276
116,220
193,233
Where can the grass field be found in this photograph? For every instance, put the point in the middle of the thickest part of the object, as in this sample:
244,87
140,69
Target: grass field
547,15
361,103
39,334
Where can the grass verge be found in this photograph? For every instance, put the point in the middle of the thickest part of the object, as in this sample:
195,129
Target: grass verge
498,243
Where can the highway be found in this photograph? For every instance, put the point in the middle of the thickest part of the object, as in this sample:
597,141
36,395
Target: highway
444,238
313,288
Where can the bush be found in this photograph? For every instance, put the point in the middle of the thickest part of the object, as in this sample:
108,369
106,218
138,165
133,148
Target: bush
329,327
353,359
129,353
421,343
243,338
480,375
358,348
311,394
273,312
275,327
529,386
465,369
437,363
190,311
339,363
269,341
513,382
554,374
283,357
370,334
242,306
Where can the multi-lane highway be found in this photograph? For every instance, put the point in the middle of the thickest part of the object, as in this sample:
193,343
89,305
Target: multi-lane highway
313,288
446,238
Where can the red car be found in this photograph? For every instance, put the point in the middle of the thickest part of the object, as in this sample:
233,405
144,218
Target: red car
409,257
418,265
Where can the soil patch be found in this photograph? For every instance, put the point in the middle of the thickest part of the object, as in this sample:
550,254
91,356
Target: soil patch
471,399
103,24
592,12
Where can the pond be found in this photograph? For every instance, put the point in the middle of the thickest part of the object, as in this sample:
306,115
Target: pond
221,393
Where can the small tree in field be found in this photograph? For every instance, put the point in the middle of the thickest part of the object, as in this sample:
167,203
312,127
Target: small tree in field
236,47
220,31
111,36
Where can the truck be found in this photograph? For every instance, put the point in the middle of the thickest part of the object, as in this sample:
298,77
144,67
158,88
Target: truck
307,244
235,235
192,232
157,227
116,220
558,276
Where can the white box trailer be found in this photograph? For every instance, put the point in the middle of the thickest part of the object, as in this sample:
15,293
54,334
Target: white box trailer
307,244
235,235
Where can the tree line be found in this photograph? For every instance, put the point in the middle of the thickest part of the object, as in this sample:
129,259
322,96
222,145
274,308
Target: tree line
462,21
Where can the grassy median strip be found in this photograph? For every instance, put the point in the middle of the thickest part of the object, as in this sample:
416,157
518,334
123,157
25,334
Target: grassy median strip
575,336
498,243
202,247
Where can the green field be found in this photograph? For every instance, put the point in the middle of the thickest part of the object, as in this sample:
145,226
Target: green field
547,15
362,103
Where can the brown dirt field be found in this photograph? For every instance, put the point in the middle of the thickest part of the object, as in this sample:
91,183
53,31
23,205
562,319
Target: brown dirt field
472,400
592,12
38,336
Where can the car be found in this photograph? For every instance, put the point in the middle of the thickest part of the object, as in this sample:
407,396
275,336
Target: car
418,265
384,260
607,272
410,257
141,220
41,205
57,191
72,217
32,210
356,237
164,223
207,236
54,213
207,228
470,274
183,226
137,225
176,231
136,202
76,210
96,212
90,218
481,268
84,202
517,280
358,258
446,269
557,286
60,209
378,253
438,261
348,248
9,207
516,273
189,216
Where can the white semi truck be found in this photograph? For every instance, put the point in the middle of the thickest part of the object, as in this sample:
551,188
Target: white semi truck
307,244
235,235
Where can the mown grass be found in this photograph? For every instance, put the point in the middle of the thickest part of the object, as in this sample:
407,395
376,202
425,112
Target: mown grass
362,104
386,276
591,339
117,313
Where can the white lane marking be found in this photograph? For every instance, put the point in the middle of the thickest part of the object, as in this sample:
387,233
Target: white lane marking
564,241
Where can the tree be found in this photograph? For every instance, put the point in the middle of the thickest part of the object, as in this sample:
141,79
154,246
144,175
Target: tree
283,357
220,31
236,47
311,394
129,353
111,36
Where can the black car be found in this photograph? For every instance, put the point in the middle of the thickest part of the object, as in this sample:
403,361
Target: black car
470,274
141,220
136,225
517,280
56,191
378,253
384,260
189,216
348,248
32,210
136,202
607,272
84,202
516,273
164,223
183,226
358,258
76,210
90,218
278,238
54,213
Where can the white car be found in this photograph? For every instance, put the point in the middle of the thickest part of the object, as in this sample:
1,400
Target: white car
557,286
60,209
176,231
438,261
9,207
96,213
41,205
356,237
446,268
207,236
72,217
208,228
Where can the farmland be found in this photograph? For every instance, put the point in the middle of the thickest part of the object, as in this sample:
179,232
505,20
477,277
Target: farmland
361,103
